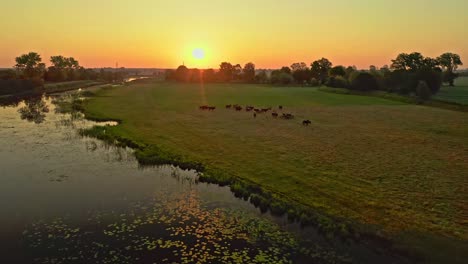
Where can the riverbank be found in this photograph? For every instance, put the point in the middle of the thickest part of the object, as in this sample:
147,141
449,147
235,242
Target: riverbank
365,166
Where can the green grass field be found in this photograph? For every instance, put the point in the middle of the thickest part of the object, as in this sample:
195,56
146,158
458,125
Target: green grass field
457,94
397,166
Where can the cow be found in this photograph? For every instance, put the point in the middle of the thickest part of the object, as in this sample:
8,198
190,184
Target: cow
287,116
306,122
255,115
238,108
228,106
274,114
280,107
211,108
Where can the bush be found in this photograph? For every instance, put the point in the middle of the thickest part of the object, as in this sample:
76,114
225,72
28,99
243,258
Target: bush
314,82
337,82
364,82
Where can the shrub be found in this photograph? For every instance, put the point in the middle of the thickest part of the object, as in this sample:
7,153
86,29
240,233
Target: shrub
364,82
423,92
337,82
314,82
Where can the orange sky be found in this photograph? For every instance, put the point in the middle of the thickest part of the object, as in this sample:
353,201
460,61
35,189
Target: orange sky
153,33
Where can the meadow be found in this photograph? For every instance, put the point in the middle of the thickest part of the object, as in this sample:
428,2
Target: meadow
457,94
395,167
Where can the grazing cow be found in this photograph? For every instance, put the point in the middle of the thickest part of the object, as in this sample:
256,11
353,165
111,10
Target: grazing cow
249,108
255,115
238,108
264,110
211,108
280,107
287,116
203,107
306,122
274,114
228,106
257,110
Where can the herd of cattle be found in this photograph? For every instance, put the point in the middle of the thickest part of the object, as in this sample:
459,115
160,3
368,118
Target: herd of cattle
256,111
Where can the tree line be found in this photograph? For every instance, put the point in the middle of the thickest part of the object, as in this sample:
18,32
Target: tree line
30,67
410,73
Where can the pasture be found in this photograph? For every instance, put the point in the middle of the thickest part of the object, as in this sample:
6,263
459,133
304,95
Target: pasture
399,167
457,94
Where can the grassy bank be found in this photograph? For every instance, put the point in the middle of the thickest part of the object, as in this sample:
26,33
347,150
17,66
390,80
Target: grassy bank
393,168
67,86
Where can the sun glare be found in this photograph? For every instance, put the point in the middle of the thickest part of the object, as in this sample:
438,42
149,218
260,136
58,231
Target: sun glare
198,54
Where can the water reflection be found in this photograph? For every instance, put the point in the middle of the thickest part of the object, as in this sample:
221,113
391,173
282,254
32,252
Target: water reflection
35,110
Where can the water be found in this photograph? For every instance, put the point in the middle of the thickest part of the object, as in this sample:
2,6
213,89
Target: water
69,199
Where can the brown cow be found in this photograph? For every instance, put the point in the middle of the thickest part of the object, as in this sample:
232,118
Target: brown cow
274,114
306,122
228,106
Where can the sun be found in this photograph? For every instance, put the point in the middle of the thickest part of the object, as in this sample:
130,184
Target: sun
198,54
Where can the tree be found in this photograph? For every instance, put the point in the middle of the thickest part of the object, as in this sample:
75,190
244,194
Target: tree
261,77
449,63
300,72
364,81
30,66
281,77
408,62
338,71
320,68
209,75
182,74
286,69
237,72
249,72
226,71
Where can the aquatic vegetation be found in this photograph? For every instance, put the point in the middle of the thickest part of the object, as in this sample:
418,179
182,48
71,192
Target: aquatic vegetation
178,229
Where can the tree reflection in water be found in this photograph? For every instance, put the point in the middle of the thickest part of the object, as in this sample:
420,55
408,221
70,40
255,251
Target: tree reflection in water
35,110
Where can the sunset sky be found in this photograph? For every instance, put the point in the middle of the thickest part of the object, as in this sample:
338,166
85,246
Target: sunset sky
153,33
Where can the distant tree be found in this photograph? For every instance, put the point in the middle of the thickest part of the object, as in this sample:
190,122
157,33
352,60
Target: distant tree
423,92
408,62
364,81
281,77
249,72
195,75
59,62
209,75
182,74
349,71
30,66
237,72
449,63
286,69
226,71
320,68
261,77
300,72
338,71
